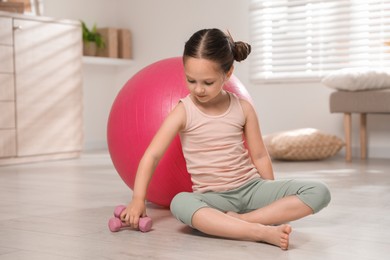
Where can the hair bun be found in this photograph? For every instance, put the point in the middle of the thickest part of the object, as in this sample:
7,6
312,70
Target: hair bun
241,50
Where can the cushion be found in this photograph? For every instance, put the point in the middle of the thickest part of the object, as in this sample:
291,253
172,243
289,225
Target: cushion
302,144
356,79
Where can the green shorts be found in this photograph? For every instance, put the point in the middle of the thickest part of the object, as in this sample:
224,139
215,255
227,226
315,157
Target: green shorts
251,196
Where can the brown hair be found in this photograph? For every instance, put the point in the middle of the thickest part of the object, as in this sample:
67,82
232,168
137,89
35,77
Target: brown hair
215,45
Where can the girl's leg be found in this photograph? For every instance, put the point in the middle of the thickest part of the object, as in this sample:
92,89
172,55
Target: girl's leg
209,217
281,211
217,223
276,202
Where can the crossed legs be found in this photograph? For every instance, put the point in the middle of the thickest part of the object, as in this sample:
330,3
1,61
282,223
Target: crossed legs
217,223
216,215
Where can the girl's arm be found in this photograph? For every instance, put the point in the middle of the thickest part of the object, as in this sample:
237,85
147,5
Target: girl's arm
254,140
173,123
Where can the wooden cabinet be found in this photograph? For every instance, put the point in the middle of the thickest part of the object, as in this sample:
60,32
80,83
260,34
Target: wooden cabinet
7,90
40,89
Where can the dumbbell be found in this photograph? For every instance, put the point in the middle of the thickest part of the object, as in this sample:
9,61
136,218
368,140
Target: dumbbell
115,223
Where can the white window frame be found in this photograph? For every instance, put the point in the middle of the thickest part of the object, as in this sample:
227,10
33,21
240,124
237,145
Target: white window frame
303,40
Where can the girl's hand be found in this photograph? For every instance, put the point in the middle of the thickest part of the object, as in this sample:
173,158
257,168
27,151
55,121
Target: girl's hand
131,215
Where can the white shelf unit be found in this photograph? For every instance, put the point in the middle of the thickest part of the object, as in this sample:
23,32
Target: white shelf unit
106,61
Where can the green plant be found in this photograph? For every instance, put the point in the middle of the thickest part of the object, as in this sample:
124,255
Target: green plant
92,35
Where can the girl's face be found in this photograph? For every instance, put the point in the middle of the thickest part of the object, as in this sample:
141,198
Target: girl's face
205,79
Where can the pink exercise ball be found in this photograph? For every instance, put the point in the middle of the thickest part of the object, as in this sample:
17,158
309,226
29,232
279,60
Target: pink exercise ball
137,113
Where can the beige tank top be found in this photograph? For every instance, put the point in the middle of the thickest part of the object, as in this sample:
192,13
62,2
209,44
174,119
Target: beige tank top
214,149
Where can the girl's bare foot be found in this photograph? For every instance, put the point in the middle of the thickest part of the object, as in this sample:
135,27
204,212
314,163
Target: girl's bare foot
276,235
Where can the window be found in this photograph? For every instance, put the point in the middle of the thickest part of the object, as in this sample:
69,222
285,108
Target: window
305,39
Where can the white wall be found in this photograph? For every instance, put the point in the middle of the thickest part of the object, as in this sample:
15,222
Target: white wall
160,29
100,85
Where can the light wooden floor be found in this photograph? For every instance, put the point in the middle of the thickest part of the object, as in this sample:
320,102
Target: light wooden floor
59,210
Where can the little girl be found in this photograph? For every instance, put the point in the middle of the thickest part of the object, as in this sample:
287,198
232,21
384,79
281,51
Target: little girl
234,192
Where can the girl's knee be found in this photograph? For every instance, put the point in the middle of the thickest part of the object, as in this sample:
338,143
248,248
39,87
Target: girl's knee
184,205
178,201
325,193
322,196
315,194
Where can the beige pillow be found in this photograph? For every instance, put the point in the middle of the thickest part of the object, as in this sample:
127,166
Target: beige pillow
302,144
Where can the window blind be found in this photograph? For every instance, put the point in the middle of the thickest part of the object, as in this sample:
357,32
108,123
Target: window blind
306,39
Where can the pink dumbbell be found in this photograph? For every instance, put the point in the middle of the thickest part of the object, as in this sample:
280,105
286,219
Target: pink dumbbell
115,223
